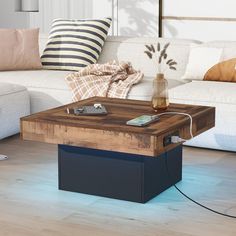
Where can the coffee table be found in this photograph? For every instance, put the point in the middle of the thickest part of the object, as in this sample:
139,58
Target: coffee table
101,155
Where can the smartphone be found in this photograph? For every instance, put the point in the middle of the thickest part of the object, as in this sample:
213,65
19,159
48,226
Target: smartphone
143,120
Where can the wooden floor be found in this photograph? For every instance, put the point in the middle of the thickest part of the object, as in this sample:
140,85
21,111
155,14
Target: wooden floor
31,204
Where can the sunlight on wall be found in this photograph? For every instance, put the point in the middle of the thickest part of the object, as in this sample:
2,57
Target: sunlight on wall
204,20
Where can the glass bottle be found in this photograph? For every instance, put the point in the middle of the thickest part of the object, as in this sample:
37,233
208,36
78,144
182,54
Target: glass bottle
160,98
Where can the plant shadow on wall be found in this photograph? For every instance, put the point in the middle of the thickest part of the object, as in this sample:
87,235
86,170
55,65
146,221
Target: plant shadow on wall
137,17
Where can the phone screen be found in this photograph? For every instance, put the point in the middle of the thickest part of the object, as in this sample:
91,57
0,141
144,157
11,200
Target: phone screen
141,120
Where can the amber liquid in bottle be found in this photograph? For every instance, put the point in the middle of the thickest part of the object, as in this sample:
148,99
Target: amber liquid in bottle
160,98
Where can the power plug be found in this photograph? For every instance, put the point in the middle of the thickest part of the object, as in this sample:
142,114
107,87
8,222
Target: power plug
3,157
177,139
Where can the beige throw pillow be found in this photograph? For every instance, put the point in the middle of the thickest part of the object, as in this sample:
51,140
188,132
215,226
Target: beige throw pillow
223,71
19,49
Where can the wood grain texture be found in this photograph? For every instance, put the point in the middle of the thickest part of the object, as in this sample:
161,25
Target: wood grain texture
32,205
111,132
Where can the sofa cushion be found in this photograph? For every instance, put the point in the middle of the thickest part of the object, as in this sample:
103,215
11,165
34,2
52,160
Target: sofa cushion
54,79
47,79
14,104
75,44
6,89
220,95
49,89
204,92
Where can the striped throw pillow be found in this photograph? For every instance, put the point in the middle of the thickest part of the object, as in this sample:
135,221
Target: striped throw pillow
75,44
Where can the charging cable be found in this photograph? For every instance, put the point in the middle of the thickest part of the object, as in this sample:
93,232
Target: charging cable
177,139
192,200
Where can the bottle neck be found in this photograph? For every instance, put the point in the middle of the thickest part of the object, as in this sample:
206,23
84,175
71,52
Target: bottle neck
160,76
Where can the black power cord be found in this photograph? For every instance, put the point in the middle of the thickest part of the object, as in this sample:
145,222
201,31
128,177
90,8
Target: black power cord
197,203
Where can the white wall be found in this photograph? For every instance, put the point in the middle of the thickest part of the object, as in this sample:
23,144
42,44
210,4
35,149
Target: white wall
135,17
130,17
68,9
11,19
51,9
138,17
200,19
103,8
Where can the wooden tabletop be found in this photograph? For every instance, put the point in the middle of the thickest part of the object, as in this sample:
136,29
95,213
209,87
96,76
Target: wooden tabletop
110,132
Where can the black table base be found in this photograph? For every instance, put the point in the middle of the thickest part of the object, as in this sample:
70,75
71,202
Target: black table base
117,175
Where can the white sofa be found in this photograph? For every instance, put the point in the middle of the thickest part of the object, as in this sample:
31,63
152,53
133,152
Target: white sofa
48,89
14,103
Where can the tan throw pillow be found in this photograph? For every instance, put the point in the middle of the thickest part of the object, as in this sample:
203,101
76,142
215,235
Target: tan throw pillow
223,71
19,49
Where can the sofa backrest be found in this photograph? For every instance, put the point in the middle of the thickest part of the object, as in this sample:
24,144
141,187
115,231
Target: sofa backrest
132,49
229,48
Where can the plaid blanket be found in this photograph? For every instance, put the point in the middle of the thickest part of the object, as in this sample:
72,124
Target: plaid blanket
106,80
